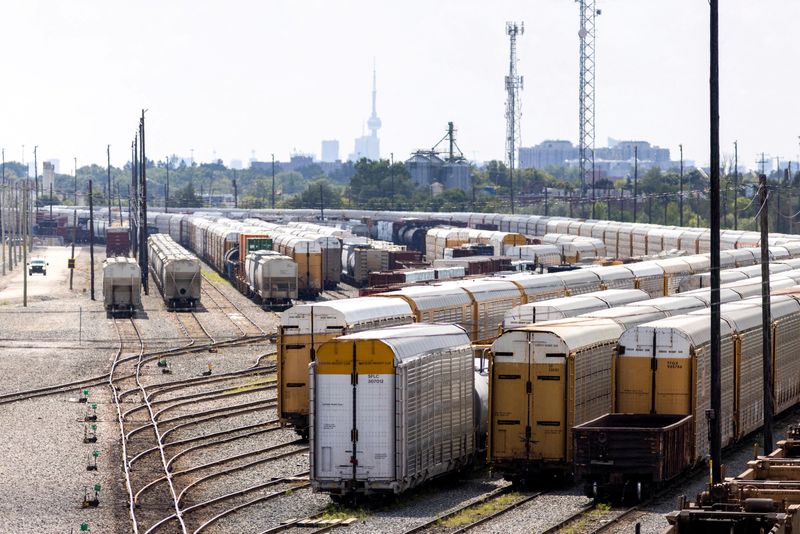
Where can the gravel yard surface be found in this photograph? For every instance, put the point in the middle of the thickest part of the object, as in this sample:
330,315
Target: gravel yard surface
421,505
541,513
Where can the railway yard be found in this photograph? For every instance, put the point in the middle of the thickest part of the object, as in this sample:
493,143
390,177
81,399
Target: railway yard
169,421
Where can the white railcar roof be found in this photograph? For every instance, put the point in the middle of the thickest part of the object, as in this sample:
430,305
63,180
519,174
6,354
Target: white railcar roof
577,332
536,282
645,268
416,340
675,305
434,295
610,273
346,312
619,297
628,316
483,289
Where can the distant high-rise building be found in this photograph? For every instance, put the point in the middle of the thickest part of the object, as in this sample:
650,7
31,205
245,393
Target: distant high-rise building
56,164
330,150
48,176
368,146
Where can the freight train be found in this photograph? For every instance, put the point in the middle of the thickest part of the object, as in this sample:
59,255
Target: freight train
175,270
578,361
662,369
477,305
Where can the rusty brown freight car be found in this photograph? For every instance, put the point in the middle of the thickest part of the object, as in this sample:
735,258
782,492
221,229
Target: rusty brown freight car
631,453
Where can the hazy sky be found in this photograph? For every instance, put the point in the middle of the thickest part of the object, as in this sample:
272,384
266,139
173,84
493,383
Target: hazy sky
280,76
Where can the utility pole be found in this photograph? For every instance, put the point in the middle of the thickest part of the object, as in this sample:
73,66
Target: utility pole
514,84
235,191
649,209
766,314
635,179
134,197
35,178
75,182
735,185
716,360
273,181
74,237
546,206
25,193
166,190
4,213
143,211
680,197
594,197
108,170
91,241
132,204
321,204
119,203
391,168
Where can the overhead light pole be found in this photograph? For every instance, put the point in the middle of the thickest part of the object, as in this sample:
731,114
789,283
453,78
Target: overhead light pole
735,184
715,413
273,181
680,195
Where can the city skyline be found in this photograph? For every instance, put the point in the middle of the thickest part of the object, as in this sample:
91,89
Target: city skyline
88,68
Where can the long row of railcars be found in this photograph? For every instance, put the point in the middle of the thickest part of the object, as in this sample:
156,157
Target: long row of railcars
622,240
243,253
382,420
477,305
663,369
575,359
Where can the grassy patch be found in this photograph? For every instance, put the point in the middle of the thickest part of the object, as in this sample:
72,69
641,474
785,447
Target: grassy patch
579,525
213,276
472,514
337,511
601,508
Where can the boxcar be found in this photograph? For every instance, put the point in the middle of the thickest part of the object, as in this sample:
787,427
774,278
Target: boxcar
304,328
391,409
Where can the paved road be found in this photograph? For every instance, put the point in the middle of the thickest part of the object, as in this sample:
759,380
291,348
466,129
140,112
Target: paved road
56,282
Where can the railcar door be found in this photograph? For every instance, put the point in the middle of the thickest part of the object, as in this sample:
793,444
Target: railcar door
549,398
511,398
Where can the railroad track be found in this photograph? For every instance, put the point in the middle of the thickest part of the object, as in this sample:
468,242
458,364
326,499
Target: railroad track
255,329
193,329
572,520
435,524
167,473
102,379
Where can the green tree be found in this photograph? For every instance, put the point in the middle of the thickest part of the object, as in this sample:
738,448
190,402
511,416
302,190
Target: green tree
378,184
186,198
318,193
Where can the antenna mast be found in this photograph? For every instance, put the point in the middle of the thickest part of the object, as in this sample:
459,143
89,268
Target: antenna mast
514,84
586,89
